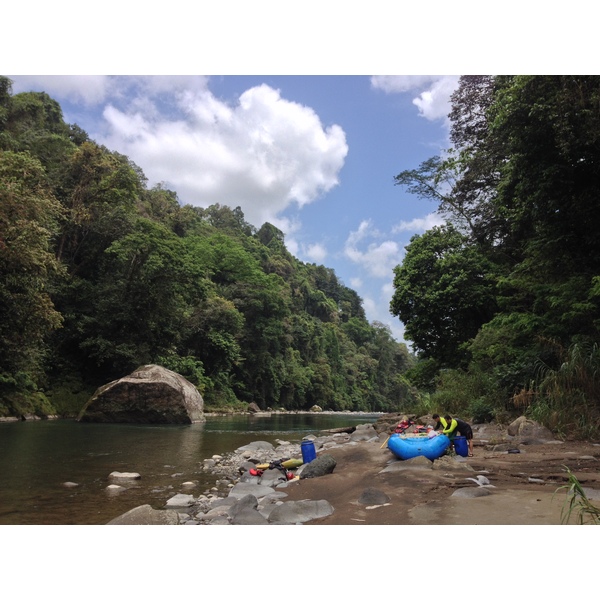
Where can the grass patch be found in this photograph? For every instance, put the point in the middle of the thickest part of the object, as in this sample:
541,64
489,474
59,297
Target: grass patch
577,504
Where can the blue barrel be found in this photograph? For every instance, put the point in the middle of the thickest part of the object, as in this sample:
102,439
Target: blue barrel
308,451
460,445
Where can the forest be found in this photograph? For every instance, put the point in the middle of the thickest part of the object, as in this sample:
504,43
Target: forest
100,273
502,302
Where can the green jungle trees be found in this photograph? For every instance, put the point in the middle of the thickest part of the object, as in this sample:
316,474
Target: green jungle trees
502,302
100,274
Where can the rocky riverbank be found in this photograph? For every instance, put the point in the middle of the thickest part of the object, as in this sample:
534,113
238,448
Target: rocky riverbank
512,479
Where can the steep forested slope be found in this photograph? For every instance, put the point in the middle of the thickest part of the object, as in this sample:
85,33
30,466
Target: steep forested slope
100,274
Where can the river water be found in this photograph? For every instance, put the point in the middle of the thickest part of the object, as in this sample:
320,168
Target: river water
38,457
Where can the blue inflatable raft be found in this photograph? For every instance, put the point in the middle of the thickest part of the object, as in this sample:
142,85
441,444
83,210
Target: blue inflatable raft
406,447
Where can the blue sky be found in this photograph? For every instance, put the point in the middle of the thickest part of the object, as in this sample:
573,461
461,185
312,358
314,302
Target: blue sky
314,155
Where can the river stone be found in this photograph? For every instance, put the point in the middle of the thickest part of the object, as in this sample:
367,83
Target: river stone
180,500
529,430
253,446
119,475
470,492
146,515
272,477
322,465
114,489
373,496
245,512
363,433
151,394
300,511
239,490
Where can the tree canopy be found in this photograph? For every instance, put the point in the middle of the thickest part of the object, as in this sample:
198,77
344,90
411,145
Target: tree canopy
510,284
101,274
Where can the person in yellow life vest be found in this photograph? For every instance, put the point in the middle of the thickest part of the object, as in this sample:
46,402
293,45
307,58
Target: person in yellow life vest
454,426
439,422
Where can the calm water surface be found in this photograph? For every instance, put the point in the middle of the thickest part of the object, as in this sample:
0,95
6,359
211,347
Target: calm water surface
37,458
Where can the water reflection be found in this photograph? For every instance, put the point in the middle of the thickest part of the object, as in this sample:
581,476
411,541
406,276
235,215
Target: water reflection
38,458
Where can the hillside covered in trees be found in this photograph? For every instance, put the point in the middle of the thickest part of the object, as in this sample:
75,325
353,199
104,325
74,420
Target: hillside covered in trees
100,274
503,302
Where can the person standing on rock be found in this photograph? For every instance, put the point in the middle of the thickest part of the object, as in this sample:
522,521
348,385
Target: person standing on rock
454,426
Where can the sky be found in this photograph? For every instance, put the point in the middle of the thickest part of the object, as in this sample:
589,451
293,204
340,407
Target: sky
313,155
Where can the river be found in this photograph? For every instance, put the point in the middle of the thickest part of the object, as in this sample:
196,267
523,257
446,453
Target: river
38,457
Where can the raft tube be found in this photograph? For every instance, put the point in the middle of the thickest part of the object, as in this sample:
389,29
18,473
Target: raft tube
405,447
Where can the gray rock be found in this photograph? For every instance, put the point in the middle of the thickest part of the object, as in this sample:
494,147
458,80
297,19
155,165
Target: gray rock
114,489
146,515
529,430
272,477
363,433
245,512
448,463
179,500
221,521
300,511
124,476
241,489
151,394
322,465
373,496
259,445
213,513
249,517
471,492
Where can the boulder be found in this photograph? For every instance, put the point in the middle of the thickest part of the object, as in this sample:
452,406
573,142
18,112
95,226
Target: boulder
363,433
151,394
300,511
322,465
146,515
245,512
529,430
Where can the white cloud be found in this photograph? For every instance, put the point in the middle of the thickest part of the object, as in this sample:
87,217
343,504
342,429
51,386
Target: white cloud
434,103
433,99
356,282
419,224
316,252
86,89
397,84
377,309
378,259
263,154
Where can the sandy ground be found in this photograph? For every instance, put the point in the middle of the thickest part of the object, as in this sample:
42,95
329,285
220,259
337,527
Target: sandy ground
524,492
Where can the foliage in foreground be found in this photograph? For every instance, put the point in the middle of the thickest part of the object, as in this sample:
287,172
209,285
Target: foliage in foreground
577,503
